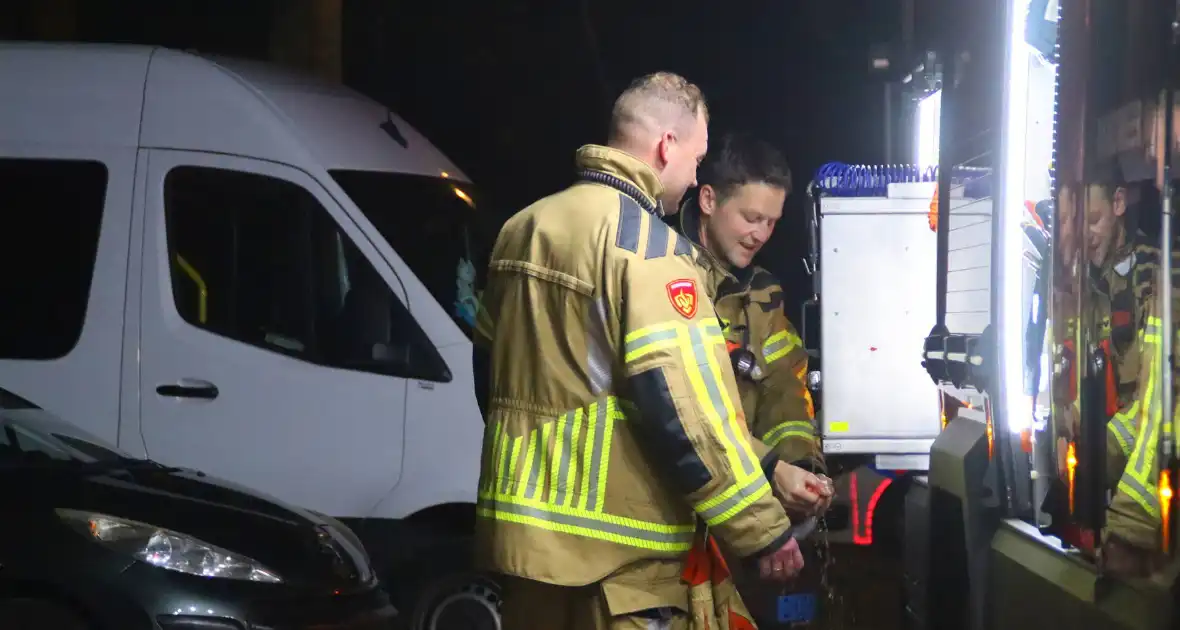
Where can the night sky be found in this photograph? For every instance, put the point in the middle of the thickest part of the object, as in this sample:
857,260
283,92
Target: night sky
510,88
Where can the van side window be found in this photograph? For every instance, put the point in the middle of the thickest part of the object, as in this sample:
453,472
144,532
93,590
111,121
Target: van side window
257,259
50,214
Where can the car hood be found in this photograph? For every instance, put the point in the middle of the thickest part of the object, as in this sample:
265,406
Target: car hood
300,546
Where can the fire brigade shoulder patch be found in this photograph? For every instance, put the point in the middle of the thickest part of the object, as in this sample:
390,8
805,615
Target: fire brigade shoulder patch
683,296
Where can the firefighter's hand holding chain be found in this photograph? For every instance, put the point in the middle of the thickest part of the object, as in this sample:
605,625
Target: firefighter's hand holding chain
802,493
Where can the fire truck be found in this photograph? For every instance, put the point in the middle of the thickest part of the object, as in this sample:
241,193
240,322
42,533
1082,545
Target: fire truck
958,321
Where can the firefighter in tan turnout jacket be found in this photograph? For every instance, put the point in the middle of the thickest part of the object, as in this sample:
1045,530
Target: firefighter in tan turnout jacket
613,420
744,184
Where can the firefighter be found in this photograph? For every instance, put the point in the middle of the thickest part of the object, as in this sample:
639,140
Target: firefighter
1122,259
614,423
1120,293
744,184
1132,537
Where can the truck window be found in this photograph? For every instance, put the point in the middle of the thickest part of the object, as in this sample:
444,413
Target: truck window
258,260
50,212
435,226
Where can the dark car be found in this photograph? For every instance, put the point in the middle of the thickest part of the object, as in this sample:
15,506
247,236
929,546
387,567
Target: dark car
94,539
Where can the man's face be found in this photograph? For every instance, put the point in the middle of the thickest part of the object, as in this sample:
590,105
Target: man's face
1104,211
739,225
682,154
1066,226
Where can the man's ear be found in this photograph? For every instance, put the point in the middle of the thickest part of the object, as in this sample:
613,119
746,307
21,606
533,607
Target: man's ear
1119,202
707,199
665,147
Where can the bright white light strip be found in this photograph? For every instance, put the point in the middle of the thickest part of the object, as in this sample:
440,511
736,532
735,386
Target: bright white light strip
929,111
1010,211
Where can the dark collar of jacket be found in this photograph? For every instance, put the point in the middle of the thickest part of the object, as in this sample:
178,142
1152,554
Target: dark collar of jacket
1122,260
623,165
736,281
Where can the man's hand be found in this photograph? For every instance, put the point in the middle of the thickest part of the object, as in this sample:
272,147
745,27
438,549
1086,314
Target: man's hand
782,565
801,492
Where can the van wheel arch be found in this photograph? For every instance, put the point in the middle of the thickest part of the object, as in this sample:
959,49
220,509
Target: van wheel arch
426,564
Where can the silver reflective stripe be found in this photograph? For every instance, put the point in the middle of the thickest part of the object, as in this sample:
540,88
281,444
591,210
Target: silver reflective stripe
540,464
1118,427
502,474
596,450
793,429
649,338
769,349
569,457
560,453
715,513
700,354
604,526
598,353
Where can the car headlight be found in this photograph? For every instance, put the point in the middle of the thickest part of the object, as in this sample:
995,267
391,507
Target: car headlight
165,548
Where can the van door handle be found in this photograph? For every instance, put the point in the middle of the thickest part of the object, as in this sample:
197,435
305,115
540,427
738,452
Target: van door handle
189,388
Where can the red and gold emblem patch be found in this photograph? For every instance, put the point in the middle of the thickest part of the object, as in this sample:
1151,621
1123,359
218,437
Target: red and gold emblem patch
683,296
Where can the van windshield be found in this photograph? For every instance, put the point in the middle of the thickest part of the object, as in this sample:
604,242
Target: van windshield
436,226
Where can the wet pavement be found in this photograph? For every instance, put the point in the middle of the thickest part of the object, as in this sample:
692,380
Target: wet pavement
867,585
863,591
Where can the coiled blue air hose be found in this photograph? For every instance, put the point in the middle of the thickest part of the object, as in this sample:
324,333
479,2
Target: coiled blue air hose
837,179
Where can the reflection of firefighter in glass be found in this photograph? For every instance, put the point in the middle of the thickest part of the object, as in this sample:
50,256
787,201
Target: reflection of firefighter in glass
1122,259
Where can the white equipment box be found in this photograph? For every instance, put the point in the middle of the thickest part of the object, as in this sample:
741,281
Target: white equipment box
877,285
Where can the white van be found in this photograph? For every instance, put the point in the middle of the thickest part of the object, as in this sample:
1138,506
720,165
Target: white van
228,266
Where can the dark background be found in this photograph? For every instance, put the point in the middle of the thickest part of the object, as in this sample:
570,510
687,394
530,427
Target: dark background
510,88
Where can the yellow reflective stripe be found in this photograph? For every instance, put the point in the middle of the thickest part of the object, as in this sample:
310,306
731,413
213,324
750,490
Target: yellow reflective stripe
491,438
541,467
644,341
704,376
574,463
1151,332
569,463
1136,482
736,498
503,459
1122,427
595,418
556,463
513,460
750,483
780,345
602,458
575,505
793,429
615,529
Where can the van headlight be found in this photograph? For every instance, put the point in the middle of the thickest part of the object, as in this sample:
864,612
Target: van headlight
165,548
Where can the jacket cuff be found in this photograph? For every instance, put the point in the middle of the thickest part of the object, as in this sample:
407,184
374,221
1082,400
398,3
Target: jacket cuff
775,544
769,461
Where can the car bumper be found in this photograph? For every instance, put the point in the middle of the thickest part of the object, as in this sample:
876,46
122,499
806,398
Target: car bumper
154,599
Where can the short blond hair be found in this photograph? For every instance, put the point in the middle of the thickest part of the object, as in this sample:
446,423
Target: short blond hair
656,101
